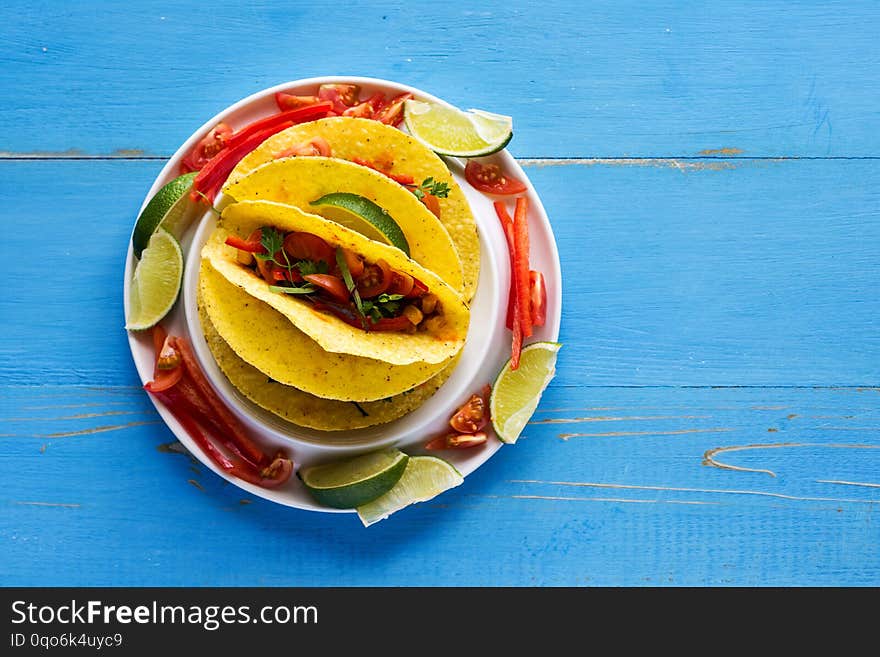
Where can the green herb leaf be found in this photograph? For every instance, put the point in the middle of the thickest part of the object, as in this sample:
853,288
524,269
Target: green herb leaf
307,267
305,289
272,240
349,281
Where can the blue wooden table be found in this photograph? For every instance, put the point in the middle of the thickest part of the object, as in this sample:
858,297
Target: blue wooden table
712,172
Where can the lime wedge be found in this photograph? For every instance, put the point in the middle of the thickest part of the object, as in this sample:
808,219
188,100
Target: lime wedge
362,215
425,477
450,131
352,482
156,281
170,208
516,393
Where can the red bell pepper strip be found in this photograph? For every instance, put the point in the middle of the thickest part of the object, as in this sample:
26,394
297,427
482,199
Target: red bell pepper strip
195,431
513,307
521,242
251,246
298,115
225,417
214,173
538,298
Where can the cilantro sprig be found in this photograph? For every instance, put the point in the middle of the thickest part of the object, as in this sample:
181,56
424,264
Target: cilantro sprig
385,305
431,186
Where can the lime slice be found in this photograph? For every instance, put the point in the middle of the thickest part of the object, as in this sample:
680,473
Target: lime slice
352,482
156,281
425,477
516,393
450,131
170,208
362,215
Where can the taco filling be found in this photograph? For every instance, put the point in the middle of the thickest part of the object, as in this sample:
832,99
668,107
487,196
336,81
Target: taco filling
367,295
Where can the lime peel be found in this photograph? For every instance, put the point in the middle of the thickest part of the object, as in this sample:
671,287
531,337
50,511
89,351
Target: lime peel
352,482
170,207
364,216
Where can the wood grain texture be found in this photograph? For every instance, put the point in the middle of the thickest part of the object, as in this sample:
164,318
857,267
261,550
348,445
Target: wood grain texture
606,79
605,487
711,176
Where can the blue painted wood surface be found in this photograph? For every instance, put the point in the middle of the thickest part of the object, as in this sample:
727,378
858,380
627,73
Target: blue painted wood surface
716,415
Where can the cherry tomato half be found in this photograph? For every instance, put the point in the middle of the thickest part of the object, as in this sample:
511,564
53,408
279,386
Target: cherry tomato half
355,263
375,280
457,441
392,113
401,283
208,147
289,101
472,416
332,285
491,179
342,96
314,146
306,246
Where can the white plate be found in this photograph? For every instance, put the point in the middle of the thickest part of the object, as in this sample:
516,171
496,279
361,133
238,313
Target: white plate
486,350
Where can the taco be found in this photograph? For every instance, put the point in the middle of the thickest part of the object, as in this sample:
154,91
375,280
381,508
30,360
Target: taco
301,181
298,406
394,153
349,294
267,341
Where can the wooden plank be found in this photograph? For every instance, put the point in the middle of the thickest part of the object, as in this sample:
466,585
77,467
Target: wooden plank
607,486
675,273
612,79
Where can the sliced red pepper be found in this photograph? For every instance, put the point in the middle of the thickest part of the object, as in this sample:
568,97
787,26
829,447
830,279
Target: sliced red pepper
299,115
212,176
513,307
233,427
251,246
419,289
390,324
537,298
521,242
195,432
162,378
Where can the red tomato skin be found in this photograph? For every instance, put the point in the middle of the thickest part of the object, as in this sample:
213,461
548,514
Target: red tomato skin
489,178
375,280
208,147
332,285
471,417
342,96
306,246
290,101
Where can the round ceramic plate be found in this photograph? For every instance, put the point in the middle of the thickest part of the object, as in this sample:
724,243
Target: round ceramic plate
486,350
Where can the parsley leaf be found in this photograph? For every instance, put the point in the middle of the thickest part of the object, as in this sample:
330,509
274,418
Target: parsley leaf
272,240
431,186
307,267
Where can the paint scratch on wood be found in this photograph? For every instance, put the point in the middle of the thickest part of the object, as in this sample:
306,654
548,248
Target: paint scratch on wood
656,162
713,152
196,484
709,456
602,418
847,483
598,499
61,504
567,436
86,432
681,489
78,416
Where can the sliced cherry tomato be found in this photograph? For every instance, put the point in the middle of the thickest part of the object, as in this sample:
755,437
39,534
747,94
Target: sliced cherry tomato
491,179
285,274
375,280
342,96
306,246
457,441
432,203
289,101
400,178
208,147
354,262
312,147
401,283
366,109
537,298
392,113
473,414
163,378
332,285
